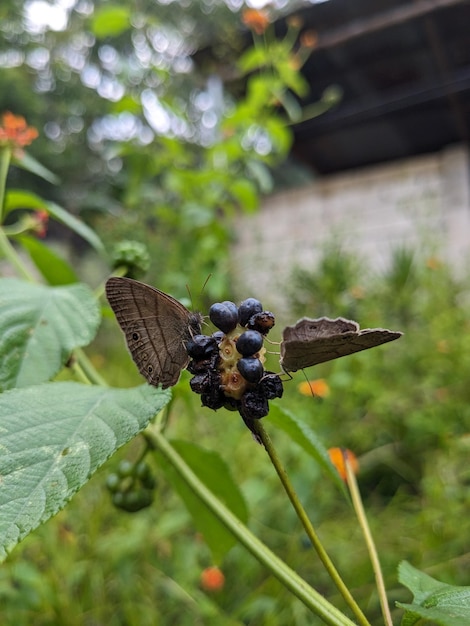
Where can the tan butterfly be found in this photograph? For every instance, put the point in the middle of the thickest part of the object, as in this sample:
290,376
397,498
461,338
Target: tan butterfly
156,327
313,341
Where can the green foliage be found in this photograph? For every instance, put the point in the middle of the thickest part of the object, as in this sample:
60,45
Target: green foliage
54,437
214,473
177,188
40,326
433,602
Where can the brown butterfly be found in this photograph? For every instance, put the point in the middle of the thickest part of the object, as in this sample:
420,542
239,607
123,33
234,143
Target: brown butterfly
156,327
313,341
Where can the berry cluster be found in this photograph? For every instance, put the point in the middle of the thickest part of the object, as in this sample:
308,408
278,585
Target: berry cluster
131,486
228,366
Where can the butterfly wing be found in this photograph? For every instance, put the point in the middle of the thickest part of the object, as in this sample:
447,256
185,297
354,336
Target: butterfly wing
313,341
156,327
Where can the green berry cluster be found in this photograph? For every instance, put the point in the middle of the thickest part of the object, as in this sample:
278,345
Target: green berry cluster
131,486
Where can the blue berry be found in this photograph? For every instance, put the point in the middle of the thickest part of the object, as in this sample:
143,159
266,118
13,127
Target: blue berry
247,309
224,315
249,343
251,369
200,346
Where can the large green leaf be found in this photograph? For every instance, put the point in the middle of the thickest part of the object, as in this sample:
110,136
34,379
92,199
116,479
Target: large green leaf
53,437
212,470
433,601
39,328
306,438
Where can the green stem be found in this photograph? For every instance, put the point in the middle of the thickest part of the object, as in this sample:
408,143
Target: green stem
5,157
307,524
89,369
361,516
9,252
290,579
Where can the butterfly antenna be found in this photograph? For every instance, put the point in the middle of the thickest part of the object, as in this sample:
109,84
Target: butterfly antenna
308,383
209,276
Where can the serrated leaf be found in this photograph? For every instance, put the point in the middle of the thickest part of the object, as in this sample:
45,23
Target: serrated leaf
433,601
53,437
30,164
39,328
305,437
110,21
54,269
212,470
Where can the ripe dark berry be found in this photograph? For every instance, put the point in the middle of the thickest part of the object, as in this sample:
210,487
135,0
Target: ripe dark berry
213,398
247,309
218,336
271,386
262,322
251,369
200,347
224,315
249,343
253,405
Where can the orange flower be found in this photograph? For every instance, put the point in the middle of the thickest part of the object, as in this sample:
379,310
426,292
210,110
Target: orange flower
318,387
255,20
14,131
295,21
212,579
309,39
337,456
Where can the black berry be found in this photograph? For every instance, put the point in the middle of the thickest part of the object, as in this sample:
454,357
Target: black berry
254,405
224,315
200,347
251,369
247,309
271,386
249,343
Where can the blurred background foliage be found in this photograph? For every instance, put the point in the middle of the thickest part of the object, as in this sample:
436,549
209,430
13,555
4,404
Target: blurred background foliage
149,135
152,146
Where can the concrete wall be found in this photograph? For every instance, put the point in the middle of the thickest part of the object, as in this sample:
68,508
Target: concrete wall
419,202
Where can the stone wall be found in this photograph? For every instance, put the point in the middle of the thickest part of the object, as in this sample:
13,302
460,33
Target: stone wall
420,203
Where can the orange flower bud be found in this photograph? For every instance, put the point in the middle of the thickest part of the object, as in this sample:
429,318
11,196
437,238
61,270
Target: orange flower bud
212,579
318,387
337,457
255,20
309,39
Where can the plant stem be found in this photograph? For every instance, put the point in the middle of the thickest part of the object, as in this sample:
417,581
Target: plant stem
290,579
361,516
307,524
89,369
12,256
5,157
